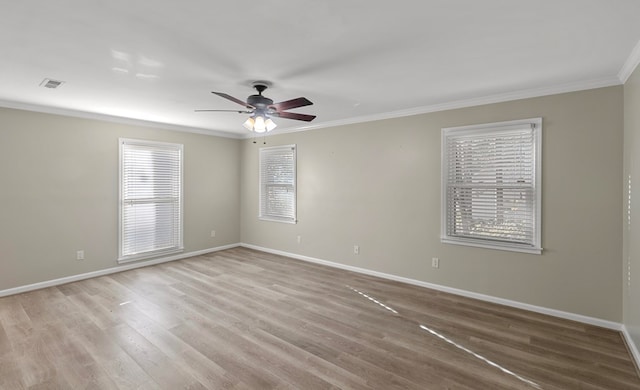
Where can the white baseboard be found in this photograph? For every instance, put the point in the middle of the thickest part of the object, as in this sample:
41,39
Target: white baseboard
633,348
488,298
94,274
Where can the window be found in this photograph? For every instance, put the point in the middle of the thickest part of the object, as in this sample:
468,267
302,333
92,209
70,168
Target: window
150,199
491,192
278,184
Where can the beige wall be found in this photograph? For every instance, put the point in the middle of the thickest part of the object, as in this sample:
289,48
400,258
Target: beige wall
59,193
377,185
631,255
374,184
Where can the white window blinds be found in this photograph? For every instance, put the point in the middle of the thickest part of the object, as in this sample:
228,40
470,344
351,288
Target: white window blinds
150,199
278,183
491,185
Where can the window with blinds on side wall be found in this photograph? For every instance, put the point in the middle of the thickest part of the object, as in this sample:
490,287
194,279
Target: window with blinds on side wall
278,184
150,199
491,183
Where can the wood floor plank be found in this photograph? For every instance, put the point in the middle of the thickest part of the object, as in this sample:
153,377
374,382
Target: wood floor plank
243,319
113,360
5,343
187,358
207,342
35,361
321,368
10,374
155,363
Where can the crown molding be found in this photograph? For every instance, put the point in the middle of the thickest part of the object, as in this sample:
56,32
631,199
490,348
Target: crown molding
471,102
630,65
113,119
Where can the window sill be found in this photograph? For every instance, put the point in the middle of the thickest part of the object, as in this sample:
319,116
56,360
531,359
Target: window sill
491,245
149,255
273,219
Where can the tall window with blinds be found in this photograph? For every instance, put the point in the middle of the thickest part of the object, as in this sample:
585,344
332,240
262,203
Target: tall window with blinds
278,184
150,199
491,185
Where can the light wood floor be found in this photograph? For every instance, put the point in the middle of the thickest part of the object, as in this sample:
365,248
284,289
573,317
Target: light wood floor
248,320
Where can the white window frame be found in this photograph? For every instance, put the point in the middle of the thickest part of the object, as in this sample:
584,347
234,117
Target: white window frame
482,131
178,244
290,183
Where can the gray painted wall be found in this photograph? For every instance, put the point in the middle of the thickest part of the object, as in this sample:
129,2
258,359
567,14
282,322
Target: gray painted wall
59,193
373,184
377,185
631,256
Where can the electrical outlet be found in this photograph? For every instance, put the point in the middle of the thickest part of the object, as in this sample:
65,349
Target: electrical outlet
356,249
213,233
80,255
435,262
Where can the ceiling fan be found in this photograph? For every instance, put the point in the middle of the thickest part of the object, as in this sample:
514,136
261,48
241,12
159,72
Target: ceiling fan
262,109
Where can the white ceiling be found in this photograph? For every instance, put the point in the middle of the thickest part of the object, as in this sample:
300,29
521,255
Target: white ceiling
356,60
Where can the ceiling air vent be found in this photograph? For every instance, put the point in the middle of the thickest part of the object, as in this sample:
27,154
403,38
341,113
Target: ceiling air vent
49,83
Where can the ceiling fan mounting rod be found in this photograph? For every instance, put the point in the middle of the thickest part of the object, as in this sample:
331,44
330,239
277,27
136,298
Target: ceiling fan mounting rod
260,89
261,86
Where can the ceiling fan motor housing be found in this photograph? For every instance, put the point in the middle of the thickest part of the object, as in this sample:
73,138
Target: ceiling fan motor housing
259,101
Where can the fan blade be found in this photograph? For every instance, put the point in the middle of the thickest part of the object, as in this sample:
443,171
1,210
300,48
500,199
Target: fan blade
289,104
296,116
229,97
238,111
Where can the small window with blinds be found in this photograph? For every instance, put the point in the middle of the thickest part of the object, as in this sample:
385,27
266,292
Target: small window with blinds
150,199
278,184
491,186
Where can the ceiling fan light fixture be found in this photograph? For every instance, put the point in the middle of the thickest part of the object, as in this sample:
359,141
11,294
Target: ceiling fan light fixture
259,126
248,124
270,125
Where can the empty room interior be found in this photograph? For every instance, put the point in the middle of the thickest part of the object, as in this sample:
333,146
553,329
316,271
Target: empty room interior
310,195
